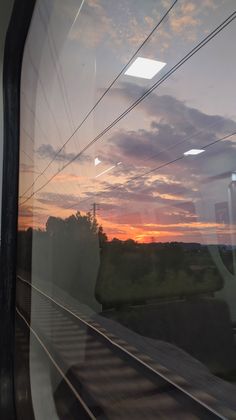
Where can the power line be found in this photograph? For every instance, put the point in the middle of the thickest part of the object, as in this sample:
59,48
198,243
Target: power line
207,39
108,88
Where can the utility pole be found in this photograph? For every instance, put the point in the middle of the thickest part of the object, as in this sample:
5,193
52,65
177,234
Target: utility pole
94,210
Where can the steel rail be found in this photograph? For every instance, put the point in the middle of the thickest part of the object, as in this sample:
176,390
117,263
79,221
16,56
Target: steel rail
75,392
125,351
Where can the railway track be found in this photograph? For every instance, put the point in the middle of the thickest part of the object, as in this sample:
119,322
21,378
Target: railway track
109,377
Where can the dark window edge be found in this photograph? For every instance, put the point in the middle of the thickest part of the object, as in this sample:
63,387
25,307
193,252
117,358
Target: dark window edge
13,54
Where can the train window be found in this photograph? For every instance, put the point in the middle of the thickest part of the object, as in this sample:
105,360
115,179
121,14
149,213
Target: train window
126,274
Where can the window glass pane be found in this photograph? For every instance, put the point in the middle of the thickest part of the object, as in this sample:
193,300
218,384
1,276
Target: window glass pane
126,284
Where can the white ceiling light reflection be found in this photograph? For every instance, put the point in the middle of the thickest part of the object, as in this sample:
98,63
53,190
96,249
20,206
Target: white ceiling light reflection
193,152
97,161
144,68
108,170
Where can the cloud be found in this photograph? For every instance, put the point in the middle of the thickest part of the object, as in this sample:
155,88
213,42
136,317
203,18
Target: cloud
164,207
117,197
120,23
188,19
62,201
174,128
170,110
143,191
184,22
137,147
46,151
115,25
28,211
94,25
25,168
63,177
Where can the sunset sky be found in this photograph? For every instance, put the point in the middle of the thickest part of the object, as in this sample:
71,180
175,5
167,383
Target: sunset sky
73,53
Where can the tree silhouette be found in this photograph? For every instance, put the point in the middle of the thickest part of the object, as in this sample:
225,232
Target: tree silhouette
74,254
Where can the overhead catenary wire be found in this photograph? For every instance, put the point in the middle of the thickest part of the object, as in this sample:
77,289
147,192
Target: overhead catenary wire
200,45
104,93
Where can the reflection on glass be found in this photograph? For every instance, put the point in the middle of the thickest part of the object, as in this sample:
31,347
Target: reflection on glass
126,284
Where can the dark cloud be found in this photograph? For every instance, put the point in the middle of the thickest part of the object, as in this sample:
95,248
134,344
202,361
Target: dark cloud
144,185
174,129
29,217
62,201
46,151
25,168
183,212
28,211
141,191
102,206
174,112
138,146
113,197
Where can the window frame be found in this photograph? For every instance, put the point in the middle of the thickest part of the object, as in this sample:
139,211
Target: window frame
13,53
